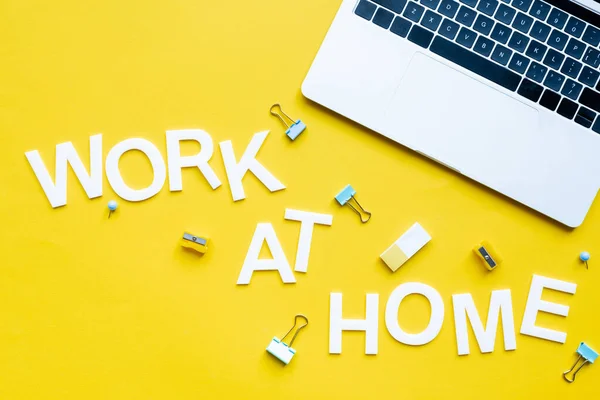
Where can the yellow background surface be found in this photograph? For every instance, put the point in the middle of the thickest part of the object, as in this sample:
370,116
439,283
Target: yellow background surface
94,308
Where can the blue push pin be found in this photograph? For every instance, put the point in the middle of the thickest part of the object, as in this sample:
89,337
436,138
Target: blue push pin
295,128
585,257
112,207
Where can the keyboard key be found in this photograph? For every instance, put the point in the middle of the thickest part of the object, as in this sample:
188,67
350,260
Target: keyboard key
575,48
466,37
522,5
540,31
449,29
483,24
530,90
591,99
365,9
567,108
554,81
448,8
484,46
501,54
431,20
536,72
592,57
487,6
505,14
395,5
585,117
518,42
589,76
536,50
557,40
571,67
572,89
554,59
550,100
591,35
420,36
522,22
383,18
400,26
466,16
519,63
413,11
474,63
557,18
540,10
501,33
433,4
471,3
575,27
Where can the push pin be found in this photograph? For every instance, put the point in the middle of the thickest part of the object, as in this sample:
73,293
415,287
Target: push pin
281,350
195,243
587,354
585,257
346,196
112,207
488,255
295,128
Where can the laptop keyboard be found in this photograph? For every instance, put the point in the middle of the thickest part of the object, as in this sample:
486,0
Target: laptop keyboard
546,54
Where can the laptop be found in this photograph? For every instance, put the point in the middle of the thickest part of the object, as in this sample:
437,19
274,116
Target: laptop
504,92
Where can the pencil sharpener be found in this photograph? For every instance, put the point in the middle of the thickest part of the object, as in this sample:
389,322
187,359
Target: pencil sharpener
281,351
194,243
295,130
488,255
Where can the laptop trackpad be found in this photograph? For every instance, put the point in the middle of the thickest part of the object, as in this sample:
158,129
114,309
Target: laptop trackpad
461,121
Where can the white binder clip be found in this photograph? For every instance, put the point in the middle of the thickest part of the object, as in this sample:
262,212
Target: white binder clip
281,350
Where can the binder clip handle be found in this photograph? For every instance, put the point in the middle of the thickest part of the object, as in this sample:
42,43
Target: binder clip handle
282,115
576,371
362,212
299,316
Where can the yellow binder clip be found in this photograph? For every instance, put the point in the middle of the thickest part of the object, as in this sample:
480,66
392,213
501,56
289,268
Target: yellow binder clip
488,255
194,243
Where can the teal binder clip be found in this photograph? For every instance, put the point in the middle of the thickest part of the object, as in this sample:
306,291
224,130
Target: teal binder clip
282,351
346,197
588,355
295,128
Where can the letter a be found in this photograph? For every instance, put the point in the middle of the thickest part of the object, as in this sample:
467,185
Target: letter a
265,232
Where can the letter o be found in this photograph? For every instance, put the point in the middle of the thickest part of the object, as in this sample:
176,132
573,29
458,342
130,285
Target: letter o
114,175
435,321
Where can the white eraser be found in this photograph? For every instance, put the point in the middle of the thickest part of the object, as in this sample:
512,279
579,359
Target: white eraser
413,240
281,351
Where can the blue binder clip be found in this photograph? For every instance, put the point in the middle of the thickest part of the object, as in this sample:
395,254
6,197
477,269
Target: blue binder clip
295,128
587,354
346,196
